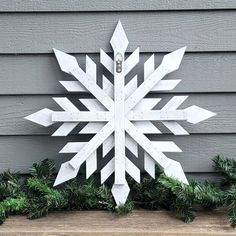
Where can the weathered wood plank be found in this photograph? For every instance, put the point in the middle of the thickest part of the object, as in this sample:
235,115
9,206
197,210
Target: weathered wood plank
20,152
38,33
199,72
100,223
13,109
122,5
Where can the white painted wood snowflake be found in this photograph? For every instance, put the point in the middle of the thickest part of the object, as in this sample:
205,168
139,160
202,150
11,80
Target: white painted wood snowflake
119,116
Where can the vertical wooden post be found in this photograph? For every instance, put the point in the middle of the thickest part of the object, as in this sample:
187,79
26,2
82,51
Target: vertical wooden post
119,43
119,99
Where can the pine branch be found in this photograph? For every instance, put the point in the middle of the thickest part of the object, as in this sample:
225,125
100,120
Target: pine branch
105,199
43,198
208,195
125,208
183,200
12,205
227,168
230,201
44,170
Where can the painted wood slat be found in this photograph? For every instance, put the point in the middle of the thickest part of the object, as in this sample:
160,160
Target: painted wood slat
131,61
149,68
66,105
69,169
153,115
122,5
129,87
173,126
107,170
170,167
69,65
157,115
132,170
119,43
169,64
93,144
91,161
61,116
91,164
218,27
14,108
129,143
106,61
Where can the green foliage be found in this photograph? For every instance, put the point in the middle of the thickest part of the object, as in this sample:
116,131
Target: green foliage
42,198
125,208
227,168
230,200
35,196
44,170
12,197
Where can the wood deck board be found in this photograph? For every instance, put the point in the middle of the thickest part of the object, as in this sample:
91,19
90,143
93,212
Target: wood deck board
103,223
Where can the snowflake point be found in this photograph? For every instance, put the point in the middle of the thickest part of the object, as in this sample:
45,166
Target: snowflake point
174,170
66,62
197,114
171,61
42,117
119,40
120,193
65,173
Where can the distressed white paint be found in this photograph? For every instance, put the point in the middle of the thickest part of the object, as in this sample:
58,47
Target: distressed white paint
119,43
42,117
120,115
169,63
61,116
92,145
69,65
73,86
106,61
107,170
120,193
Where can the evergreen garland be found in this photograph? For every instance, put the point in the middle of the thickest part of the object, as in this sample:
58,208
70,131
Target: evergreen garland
35,196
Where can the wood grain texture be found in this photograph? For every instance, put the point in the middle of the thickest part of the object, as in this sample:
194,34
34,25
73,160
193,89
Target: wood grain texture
103,5
75,32
40,74
100,223
13,109
20,152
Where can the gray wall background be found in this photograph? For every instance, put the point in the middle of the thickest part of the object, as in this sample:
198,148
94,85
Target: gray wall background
29,73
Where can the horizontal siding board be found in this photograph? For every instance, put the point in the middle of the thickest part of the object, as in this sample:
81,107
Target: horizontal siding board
19,153
202,177
88,32
14,108
40,74
113,5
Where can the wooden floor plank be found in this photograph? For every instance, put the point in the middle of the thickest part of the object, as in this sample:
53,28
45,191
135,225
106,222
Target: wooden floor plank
99,223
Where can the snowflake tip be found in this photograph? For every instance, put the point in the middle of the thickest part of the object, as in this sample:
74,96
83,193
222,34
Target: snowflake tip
67,62
119,40
174,170
42,117
172,60
120,193
197,114
65,173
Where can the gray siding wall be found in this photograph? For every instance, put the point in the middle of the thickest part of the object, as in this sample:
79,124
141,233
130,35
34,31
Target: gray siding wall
29,72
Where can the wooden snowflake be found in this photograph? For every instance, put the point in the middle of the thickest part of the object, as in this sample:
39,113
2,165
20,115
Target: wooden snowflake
120,116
